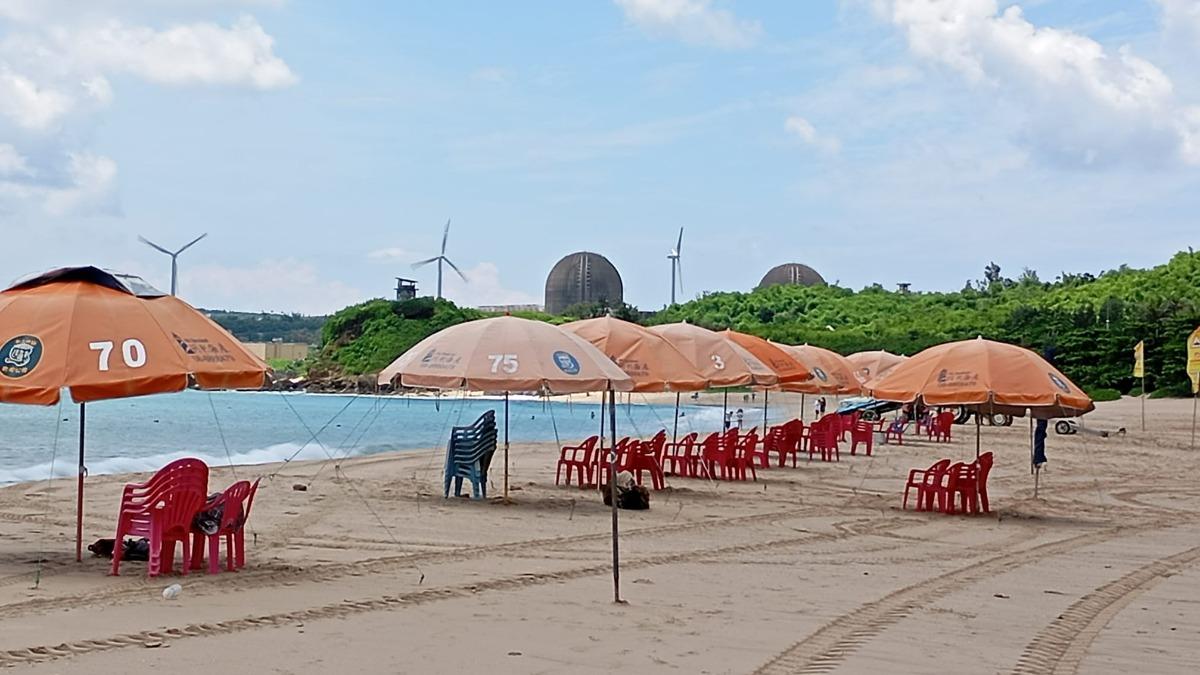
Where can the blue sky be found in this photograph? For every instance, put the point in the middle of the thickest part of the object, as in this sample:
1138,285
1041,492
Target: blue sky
323,145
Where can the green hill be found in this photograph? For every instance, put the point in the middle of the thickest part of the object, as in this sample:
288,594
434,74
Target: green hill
266,327
1089,323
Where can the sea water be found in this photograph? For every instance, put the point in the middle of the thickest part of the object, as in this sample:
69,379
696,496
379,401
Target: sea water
223,428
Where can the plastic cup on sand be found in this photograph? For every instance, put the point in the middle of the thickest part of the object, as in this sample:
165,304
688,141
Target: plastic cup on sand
171,592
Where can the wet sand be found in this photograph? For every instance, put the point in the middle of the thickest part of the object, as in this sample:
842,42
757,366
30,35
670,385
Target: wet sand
811,569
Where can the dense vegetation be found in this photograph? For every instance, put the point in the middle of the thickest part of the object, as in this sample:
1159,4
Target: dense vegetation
265,327
1089,324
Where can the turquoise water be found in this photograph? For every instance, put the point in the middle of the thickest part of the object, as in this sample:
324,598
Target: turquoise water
142,434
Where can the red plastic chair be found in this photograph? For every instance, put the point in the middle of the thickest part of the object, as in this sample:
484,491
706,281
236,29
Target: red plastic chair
235,502
679,457
924,481
623,447
718,454
647,456
161,509
745,454
790,442
962,487
939,427
577,458
823,439
863,432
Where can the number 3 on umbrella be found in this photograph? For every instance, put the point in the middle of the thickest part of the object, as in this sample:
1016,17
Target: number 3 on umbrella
133,352
504,362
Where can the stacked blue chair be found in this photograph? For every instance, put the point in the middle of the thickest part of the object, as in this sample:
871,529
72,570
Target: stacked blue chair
469,453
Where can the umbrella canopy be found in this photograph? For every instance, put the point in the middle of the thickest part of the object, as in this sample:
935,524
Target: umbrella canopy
647,357
870,365
832,373
986,376
506,353
89,331
786,367
723,363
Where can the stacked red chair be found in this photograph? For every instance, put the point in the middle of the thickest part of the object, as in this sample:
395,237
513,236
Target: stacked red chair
578,459
744,456
823,439
647,456
162,509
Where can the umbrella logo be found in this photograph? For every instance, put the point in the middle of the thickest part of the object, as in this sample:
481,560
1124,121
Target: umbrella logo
21,355
566,363
1058,382
820,374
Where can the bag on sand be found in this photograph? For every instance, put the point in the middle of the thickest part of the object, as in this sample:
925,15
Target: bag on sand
629,495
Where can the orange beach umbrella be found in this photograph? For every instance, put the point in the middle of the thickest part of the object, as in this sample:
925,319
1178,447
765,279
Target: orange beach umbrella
648,358
723,362
787,368
832,373
870,365
985,376
103,335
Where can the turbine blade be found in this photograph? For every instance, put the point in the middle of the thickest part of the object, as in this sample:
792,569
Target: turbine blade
679,274
679,244
154,245
421,263
189,244
445,236
455,268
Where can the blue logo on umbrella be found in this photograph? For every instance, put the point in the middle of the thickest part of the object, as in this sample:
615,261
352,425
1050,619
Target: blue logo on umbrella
566,363
20,355
1058,382
820,374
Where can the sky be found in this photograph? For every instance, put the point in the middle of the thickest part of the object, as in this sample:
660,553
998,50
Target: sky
323,146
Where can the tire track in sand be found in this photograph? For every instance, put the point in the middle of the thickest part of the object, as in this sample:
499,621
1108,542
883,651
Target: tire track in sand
823,650
35,654
1060,647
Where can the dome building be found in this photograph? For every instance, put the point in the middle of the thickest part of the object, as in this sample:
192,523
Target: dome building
791,274
582,277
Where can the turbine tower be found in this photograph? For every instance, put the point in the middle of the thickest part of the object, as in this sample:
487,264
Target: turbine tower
676,266
439,259
174,255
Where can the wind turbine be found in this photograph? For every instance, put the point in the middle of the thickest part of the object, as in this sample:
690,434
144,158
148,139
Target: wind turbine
441,258
174,255
676,266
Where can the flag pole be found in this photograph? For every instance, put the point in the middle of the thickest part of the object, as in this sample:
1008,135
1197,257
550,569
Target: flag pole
1143,400
1194,397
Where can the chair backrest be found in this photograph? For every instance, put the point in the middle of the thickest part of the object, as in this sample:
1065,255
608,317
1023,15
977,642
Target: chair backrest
178,498
250,499
186,464
473,443
939,467
985,467
233,502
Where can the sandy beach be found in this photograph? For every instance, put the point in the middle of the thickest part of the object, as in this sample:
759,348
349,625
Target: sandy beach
812,569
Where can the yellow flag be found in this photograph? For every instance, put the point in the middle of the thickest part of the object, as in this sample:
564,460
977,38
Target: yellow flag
1139,359
1193,366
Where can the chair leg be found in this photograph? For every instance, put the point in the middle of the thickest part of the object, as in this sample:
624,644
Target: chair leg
197,560
239,542
186,543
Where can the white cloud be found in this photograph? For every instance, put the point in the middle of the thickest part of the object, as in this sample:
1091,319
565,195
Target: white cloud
1080,103
693,21
12,163
93,180
492,75
56,59
198,53
483,287
284,285
1181,17
30,106
805,131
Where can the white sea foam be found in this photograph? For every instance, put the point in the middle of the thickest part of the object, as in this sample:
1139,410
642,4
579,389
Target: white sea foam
148,463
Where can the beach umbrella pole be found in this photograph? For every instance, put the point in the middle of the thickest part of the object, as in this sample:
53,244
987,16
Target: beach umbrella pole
600,453
612,491
675,432
506,446
802,407
977,432
79,489
766,399
1194,397
724,409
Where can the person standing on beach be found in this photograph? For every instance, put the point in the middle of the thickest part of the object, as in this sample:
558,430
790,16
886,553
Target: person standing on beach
728,420
816,408
740,416
822,405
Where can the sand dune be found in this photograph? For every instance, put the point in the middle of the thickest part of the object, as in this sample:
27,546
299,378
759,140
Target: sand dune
812,569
